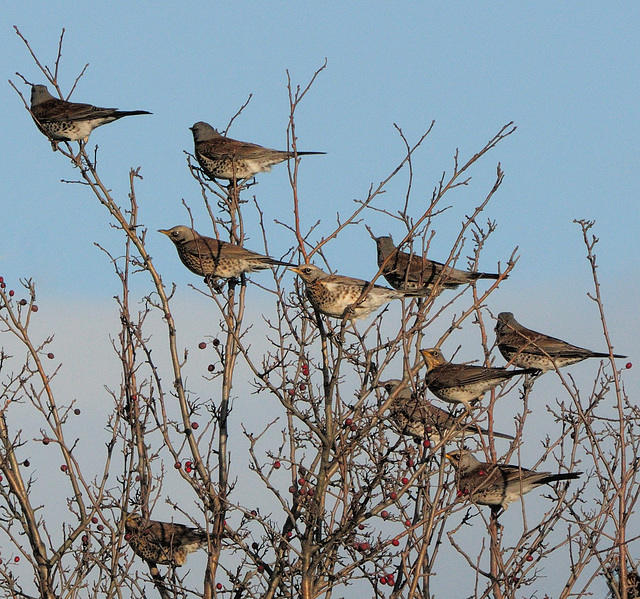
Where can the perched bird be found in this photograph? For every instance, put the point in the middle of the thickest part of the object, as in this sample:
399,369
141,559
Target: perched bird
211,258
462,383
497,485
60,120
162,542
415,416
225,158
418,273
334,295
528,349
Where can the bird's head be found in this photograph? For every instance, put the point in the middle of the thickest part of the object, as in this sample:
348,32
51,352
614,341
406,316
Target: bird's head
309,272
432,357
203,132
39,94
180,234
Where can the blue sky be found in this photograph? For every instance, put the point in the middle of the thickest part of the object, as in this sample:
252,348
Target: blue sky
566,73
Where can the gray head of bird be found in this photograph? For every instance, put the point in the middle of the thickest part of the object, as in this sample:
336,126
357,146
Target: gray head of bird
385,245
203,131
432,357
506,322
180,234
39,94
463,460
309,272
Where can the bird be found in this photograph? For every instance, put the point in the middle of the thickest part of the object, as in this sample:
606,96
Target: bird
415,416
224,158
211,258
529,349
462,383
61,120
335,295
497,485
162,542
418,273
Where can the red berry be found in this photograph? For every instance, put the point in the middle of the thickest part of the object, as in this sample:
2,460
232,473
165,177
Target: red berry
292,489
428,429
481,472
310,491
50,356
85,539
23,302
0,478
100,527
1,279
277,464
194,426
302,387
353,428
11,293
26,463
77,411
127,536
261,568
360,526
211,367
94,520
177,465
529,558
407,523
188,464
289,535
301,481
64,467
202,345
628,365
384,514
34,308
364,546
3,284
254,513
393,495
395,542
216,342
348,422
292,392
187,469
16,559
405,481
219,586
426,443
390,580
46,441
383,580
410,463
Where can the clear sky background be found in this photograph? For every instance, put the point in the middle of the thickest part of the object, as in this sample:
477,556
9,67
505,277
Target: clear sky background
567,74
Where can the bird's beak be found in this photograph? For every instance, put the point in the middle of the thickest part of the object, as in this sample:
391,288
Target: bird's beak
164,231
449,457
295,269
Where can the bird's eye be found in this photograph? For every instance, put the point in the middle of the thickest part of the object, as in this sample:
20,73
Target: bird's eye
307,271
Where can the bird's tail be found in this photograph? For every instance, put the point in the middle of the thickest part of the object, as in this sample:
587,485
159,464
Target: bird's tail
122,113
564,476
486,275
308,153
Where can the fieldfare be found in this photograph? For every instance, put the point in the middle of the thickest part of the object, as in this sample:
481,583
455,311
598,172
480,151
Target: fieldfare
528,349
162,542
334,295
497,485
225,158
60,120
211,258
462,383
415,416
418,273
